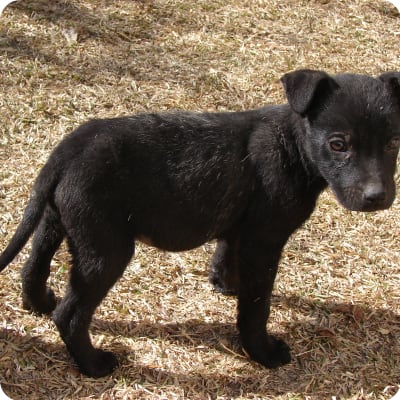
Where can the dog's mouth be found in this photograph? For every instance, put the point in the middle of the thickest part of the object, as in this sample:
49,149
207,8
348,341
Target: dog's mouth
371,207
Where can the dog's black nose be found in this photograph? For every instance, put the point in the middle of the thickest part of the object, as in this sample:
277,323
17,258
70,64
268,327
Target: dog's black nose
374,193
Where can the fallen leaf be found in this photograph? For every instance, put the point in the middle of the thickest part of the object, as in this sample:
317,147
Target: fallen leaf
325,332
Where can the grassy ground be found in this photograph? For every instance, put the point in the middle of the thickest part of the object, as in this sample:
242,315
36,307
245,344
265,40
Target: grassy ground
336,301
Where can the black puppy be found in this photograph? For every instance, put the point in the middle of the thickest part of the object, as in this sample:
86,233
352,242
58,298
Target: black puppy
248,179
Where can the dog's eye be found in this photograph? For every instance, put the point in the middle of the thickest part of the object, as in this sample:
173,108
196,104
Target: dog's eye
337,144
394,143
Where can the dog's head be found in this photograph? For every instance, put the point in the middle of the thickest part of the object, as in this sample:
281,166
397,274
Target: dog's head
352,132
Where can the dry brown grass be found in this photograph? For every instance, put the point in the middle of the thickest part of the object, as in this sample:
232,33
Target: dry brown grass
337,298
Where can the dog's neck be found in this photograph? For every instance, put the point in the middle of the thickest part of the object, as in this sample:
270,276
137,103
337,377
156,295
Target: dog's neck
296,132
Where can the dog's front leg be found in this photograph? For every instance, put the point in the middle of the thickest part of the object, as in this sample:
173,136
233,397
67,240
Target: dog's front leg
257,267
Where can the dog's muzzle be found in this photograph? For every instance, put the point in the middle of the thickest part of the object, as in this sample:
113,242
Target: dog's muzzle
374,196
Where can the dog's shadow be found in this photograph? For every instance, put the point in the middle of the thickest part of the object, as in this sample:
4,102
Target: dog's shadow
223,337
122,32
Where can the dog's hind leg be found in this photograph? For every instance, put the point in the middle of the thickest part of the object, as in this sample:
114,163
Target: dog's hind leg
224,269
47,238
96,267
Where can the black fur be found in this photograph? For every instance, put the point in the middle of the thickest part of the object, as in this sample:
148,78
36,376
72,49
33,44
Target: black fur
248,179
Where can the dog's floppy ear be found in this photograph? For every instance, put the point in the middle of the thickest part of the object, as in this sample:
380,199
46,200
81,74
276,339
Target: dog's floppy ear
392,79
305,88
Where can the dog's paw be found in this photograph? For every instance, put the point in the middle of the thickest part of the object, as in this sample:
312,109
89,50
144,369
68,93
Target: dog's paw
40,304
99,364
271,352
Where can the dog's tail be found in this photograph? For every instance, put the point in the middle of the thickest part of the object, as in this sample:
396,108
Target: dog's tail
42,190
